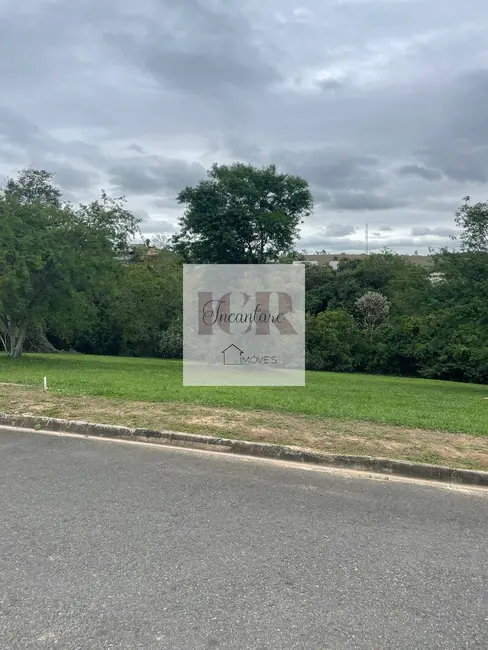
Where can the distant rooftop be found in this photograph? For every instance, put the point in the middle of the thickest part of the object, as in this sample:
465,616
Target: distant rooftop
322,259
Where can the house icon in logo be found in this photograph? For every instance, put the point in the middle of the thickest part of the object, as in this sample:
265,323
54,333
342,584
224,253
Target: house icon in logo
232,355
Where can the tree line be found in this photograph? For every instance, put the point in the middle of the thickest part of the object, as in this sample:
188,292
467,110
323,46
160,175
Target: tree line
68,283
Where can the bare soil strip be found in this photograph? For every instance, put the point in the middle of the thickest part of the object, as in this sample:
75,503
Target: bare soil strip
318,434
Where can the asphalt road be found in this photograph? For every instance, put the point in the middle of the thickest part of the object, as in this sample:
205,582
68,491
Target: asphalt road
110,545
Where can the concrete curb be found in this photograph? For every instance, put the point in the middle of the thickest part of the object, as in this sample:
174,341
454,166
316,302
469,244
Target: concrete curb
384,466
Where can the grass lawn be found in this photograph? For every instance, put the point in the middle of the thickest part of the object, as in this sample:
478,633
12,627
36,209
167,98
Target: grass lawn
419,403
343,413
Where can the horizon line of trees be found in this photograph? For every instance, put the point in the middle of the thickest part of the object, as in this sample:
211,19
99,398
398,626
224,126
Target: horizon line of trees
63,286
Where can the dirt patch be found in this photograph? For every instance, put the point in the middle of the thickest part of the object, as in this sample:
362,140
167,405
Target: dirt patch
319,434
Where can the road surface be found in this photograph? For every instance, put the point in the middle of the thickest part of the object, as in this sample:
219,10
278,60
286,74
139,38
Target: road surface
112,545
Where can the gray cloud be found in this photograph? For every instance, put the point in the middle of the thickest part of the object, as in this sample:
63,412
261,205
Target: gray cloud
459,146
165,202
420,231
331,84
364,201
421,244
137,148
135,179
71,178
380,105
157,226
153,175
15,129
404,245
23,144
422,172
332,168
339,230
199,49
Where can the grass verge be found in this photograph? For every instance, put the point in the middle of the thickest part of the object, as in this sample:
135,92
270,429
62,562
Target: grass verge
411,403
311,432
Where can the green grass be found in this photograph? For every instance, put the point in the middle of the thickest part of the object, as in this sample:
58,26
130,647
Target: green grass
422,403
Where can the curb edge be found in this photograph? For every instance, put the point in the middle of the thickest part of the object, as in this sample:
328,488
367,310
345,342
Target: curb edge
382,466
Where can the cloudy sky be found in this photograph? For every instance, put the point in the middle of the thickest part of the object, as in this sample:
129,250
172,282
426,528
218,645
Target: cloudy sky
382,105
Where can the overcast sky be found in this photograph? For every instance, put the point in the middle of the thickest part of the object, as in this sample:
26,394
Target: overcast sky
380,104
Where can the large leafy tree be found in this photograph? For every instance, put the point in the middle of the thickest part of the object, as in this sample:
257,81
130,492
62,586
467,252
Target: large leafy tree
373,308
53,257
150,305
473,219
242,214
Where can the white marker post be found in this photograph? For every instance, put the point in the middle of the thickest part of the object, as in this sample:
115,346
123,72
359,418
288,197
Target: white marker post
45,383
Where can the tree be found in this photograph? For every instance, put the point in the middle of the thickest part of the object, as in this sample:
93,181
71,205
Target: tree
331,341
290,257
406,285
319,288
53,257
241,215
149,306
108,218
161,241
473,219
33,186
374,309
